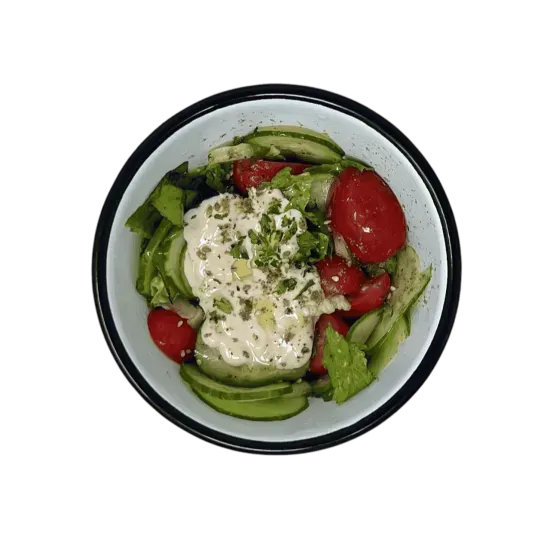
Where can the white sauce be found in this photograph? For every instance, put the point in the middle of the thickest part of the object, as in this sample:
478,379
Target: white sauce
257,323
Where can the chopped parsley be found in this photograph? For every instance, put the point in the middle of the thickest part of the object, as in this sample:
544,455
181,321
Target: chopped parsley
224,305
286,284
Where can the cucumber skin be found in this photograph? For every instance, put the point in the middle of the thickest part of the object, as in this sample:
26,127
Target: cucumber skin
298,132
355,328
393,311
387,350
218,405
232,393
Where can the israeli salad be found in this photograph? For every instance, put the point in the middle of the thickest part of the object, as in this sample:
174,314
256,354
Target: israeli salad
278,271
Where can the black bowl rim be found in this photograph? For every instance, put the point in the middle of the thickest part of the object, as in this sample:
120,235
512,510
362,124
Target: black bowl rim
333,101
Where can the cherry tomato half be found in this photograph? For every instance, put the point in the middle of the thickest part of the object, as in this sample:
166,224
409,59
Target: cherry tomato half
172,334
370,296
249,173
337,277
366,213
339,325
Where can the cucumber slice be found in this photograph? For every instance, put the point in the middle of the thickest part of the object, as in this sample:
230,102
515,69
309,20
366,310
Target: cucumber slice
385,353
167,259
241,151
206,386
410,285
322,387
408,320
362,328
211,363
298,389
279,408
298,142
146,270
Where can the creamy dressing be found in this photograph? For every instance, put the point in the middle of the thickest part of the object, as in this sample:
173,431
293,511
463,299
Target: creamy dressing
254,312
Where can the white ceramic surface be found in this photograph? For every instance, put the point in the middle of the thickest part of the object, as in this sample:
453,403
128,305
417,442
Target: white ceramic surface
192,143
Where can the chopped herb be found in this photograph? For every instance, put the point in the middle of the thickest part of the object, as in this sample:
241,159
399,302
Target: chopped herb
247,206
224,304
274,206
309,284
216,317
209,211
203,251
246,309
286,284
246,354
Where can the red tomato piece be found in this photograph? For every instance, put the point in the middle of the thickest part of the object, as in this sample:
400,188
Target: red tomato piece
339,325
370,296
249,173
337,277
172,334
366,213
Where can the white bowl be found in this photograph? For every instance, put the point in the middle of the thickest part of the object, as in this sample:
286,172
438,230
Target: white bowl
188,136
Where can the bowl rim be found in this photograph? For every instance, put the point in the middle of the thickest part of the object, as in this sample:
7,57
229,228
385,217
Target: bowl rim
311,95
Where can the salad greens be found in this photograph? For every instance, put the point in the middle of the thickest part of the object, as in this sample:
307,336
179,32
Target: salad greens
347,366
283,249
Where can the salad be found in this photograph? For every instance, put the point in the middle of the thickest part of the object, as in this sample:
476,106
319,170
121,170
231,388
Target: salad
278,272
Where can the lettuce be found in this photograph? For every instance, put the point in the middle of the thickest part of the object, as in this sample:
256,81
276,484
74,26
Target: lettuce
159,292
297,189
347,366
313,247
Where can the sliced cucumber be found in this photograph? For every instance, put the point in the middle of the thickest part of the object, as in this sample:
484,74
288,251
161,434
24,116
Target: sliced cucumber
298,142
168,260
205,385
362,328
385,353
241,151
147,266
408,320
254,374
298,389
279,408
184,280
321,386
410,285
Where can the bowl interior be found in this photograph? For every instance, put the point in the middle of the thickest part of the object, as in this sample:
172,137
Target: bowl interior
192,142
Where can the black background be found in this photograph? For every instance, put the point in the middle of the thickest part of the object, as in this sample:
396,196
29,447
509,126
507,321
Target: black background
485,142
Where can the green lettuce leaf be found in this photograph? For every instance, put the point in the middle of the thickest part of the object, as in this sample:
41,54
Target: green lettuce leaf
217,176
297,189
346,365
159,292
144,220
313,247
168,200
